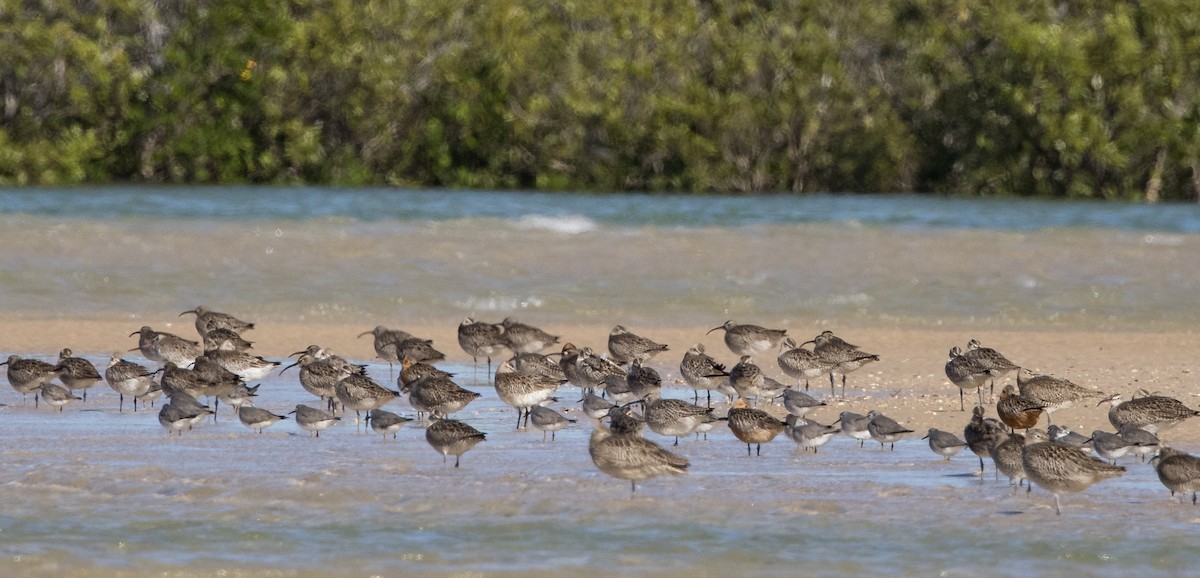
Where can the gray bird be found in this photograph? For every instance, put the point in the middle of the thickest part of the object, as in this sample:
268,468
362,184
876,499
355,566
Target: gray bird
944,443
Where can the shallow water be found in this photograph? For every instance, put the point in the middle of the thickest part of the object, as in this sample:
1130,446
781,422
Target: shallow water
91,492
94,492
328,255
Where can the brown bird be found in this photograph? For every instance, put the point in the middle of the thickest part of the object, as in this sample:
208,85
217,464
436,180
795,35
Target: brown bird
449,436
753,426
990,360
981,434
1016,410
626,347
631,457
1058,467
1178,471
1054,393
847,357
1153,413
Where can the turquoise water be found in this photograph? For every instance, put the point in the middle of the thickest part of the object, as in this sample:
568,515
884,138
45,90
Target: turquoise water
628,210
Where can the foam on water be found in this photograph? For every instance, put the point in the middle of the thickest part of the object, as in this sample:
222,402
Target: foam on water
567,224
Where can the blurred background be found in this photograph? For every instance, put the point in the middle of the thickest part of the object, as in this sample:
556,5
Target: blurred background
1042,98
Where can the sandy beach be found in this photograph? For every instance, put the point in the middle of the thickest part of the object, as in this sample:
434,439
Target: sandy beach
908,383
1102,295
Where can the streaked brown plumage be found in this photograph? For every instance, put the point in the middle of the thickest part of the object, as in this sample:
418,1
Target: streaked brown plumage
1054,393
1016,410
1178,471
76,372
1153,413
746,339
631,457
1058,467
450,436
625,346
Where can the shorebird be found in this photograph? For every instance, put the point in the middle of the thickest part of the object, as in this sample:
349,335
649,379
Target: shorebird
854,426
209,370
176,418
180,379
642,380
385,422
747,378
208,320
674,417
385,341
798,403
990,360
1018,411
809,434
624,347
414,371
802,363
523,391
594,406
568,362
161,347
238,395
1109,446
257,418
1153,413
622,421
76,372
592,369
1006,454
127,378
313,420
944,443
965,375
480,339
246,366
321,376
753,426
1054,393
1178,471
981,434
522,338
617,389
702,372
439,396
57,395
628,456
1059,468
1066,436
361,393
548,420
28,375
421,350
1142,442
750,339
846,357
538,364
450,436
884,429
226,340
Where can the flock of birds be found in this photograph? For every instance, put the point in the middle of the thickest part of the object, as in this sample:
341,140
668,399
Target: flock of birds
623,395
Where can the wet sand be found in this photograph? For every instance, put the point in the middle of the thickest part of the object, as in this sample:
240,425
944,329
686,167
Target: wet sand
908,383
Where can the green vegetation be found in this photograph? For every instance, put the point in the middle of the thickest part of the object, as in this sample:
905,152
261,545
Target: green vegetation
1077,99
